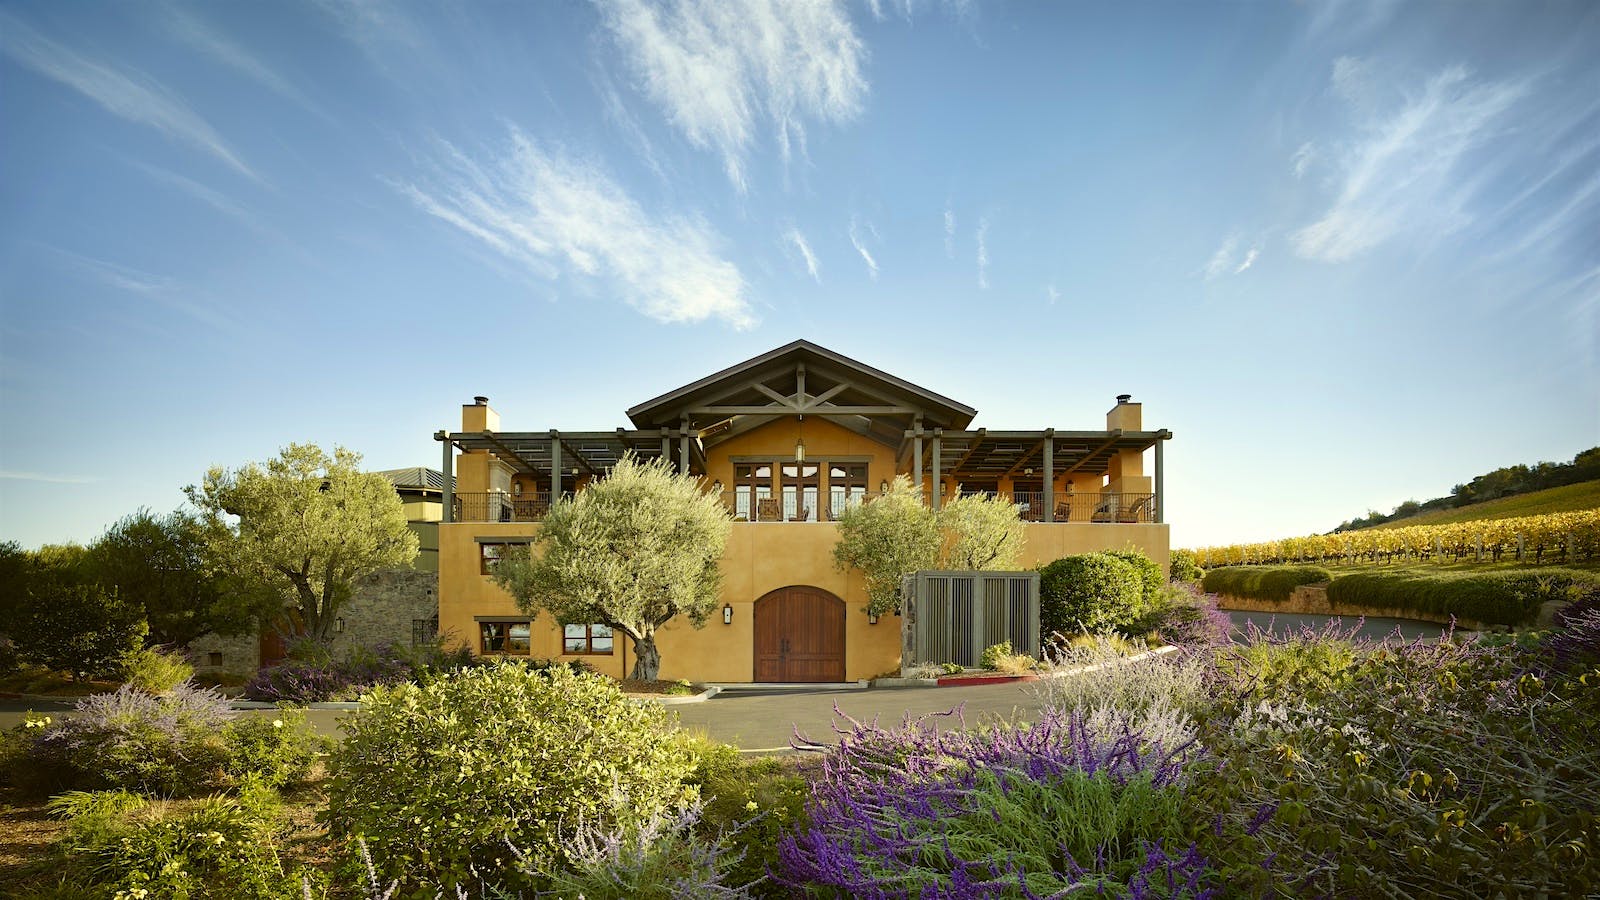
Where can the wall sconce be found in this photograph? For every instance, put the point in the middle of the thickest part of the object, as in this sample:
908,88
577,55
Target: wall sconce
872,618
716,487
1028,471
727,614
883,487
800,443
338,625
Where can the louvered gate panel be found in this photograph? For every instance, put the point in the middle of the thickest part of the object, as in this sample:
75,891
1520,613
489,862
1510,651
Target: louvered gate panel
953,616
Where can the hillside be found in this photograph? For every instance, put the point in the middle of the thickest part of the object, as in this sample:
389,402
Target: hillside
1567,498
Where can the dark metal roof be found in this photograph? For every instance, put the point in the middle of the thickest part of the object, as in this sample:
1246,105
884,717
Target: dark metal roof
415,477
789,379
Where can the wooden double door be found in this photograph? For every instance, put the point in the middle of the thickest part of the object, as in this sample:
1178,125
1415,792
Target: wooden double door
799,635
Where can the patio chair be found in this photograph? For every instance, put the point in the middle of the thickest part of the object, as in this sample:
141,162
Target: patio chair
1063,511
801,514
1138,512
1105,512
767,510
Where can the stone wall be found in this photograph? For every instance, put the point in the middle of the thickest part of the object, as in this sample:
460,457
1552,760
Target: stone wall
387,607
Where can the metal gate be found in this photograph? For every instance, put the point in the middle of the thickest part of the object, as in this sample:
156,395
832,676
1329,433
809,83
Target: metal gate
952,616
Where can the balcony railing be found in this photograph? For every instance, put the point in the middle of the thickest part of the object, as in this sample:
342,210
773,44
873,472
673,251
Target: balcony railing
499,506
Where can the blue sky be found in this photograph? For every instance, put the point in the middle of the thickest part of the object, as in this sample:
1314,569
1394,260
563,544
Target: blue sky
1349,253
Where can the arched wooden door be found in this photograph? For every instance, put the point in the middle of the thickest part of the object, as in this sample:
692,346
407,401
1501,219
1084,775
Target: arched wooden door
799,635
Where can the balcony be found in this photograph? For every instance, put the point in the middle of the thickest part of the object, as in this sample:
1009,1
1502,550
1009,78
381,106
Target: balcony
1125,508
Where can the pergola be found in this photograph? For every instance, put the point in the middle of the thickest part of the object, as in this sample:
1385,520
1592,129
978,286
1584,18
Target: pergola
926,430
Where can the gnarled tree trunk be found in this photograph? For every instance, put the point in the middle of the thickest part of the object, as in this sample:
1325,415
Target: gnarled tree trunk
646,659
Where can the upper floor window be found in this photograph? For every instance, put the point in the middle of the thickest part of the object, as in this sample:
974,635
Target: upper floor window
847,484
510,637
491,552
801,484
752,484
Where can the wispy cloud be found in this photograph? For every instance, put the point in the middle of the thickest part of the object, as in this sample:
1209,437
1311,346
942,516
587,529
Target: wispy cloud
190,29
159,289
861,247
12,475
127,94
552,213
949,232
1303,158
1400,177
1248,261
1051,292
618,114
1229,260
207,195
801,245
983,253
717,68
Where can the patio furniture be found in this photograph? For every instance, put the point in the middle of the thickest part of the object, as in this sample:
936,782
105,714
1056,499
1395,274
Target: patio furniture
1138,512
767,510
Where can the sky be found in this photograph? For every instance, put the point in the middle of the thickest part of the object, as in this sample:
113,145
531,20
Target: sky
1347,252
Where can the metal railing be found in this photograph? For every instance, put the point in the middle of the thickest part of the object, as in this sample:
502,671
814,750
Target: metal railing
499,506
1078,508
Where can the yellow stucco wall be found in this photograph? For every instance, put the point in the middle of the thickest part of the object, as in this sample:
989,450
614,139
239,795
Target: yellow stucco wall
760,558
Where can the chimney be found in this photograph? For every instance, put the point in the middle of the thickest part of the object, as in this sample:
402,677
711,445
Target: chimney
1126,415
479,416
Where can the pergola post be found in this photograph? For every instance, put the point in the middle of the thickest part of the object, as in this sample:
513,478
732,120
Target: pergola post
1161,504
938,476
683,445
448,467
1049,475
916,451
555,466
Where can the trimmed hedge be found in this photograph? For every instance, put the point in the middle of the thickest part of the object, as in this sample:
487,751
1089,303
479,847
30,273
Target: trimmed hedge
1090,593
1273,583
1497,598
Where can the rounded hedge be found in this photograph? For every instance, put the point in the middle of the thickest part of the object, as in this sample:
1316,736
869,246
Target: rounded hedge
439,779
1091,592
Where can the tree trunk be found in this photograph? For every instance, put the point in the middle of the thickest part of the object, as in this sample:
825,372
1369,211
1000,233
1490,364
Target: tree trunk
646,659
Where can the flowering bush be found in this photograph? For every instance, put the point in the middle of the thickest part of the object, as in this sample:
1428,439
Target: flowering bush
280,750
169,744
659,858
312,675
913,811
1189,617
443,779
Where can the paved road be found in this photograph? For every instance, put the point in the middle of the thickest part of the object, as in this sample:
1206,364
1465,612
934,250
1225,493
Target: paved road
763,721
1374,628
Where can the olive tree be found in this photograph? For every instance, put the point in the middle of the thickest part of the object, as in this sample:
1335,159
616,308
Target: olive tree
984,532
891,537
307,524
631,551
897,534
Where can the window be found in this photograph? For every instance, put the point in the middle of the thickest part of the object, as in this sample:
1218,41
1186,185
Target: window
491,552
423,631
214,658
847,484
505,637
801,482
751,485
588,639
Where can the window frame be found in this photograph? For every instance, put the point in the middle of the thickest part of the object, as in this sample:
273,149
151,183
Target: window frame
505,648
589,638
486,561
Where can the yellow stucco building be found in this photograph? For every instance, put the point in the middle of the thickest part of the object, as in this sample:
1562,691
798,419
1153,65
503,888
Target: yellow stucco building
788,439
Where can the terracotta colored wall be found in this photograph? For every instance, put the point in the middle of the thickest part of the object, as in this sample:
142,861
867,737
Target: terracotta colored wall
823,439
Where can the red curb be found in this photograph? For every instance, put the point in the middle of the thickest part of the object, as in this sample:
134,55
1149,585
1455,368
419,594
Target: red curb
975,681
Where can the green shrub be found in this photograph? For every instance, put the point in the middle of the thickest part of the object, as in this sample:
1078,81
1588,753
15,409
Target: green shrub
993,655
754,802
156,671
1273,583
662,858
219,847
279,750
439,778
1503,597
1183,567
1151,581
1090,593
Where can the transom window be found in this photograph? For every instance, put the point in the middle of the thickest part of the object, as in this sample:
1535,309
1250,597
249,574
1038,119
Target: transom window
587,639
508,637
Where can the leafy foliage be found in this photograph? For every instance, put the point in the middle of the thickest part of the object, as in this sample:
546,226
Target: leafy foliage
440,778
1506,598
1182,567
1091,592
633,551
309,524
59,617
169,744
985,532
891,537
1274,583
156,671
277,751
663,857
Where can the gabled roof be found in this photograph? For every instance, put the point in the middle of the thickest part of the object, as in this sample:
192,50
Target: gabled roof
415,477
803,378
